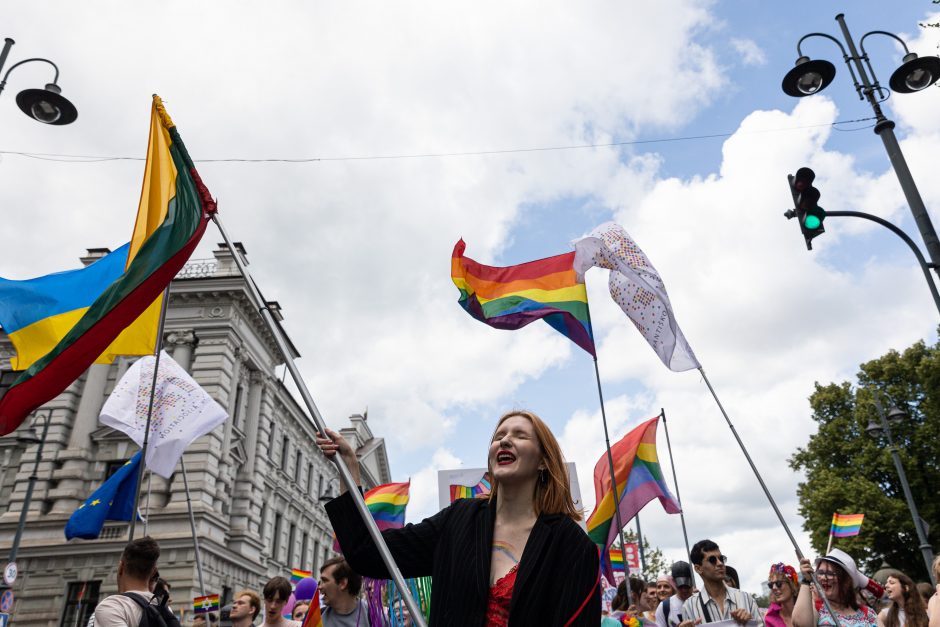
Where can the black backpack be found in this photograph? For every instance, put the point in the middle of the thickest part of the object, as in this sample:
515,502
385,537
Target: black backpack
155,614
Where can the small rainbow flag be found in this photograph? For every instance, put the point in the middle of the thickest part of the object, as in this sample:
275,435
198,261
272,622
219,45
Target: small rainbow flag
512,297
845,525
296,574
387,504
313,617
616,559
458,491
206,604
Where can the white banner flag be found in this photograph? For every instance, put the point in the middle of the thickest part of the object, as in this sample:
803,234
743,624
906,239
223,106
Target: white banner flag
182,411
636,287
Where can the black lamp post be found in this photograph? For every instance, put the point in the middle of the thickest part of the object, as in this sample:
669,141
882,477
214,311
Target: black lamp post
41,440
43,105
875,429
915,74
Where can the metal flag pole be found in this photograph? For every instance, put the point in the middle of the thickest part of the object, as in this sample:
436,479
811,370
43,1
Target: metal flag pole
158,346
320,425
613,484
639,544
770,498
192,525
675,479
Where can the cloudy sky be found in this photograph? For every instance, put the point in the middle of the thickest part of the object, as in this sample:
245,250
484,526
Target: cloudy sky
519,127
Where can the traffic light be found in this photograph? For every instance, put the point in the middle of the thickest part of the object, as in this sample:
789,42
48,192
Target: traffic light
806,205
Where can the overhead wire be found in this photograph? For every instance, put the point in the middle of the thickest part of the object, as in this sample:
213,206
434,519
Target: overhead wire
72,158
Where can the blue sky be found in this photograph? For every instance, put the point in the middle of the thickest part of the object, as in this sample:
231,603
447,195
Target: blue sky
357,251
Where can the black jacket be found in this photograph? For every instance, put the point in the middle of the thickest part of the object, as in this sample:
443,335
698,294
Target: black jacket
557,580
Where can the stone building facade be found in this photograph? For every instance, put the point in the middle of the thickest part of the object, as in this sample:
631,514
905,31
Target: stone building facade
256,481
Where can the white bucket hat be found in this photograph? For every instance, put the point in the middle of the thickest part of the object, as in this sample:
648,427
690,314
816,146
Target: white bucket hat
843,559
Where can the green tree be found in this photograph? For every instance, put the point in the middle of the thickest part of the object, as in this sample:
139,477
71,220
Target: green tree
848,471
653,556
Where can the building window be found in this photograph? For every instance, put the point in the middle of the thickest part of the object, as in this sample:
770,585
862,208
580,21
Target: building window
81,597
113,467
303,551
316,557
276,539
291,536
264,521
320,487
310,481
297,466
285,449
226,596
237,407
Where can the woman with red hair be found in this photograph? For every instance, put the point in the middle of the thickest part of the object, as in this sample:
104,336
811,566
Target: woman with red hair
516,556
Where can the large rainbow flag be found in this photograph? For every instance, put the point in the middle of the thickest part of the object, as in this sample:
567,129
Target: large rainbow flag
639,480
512,297
458,491
387,504
846,525
175,206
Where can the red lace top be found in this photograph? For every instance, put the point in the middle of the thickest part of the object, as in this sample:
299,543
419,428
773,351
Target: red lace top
497,608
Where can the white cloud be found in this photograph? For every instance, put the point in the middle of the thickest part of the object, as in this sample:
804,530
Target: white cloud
749,51
423,501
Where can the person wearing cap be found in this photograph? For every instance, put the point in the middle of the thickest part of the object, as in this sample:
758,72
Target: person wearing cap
669,612
716,601
839,578
784,586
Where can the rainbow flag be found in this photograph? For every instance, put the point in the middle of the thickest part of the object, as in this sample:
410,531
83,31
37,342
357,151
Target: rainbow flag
313,617
458,491
639,480
296,574
178,207
206,604
845,525
512,297
387,504
616,559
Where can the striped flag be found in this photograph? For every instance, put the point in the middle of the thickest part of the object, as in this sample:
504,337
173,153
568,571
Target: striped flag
313,617
845,525
387,504
206,604
458,491
296,575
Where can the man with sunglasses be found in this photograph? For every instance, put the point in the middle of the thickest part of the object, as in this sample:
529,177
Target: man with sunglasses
716,601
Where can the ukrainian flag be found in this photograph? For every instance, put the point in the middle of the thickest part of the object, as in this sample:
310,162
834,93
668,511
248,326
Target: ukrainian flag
37,313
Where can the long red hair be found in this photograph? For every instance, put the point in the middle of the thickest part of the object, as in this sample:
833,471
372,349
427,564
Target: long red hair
553,494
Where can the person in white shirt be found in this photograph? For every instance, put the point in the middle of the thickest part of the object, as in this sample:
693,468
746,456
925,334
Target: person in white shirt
669,612
135,572
716,601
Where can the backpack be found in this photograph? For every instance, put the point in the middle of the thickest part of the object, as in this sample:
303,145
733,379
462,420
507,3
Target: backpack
154,614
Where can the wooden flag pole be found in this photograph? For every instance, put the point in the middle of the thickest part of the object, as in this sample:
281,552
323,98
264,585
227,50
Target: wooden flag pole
314,414
675,479
829,546
770,498
158,346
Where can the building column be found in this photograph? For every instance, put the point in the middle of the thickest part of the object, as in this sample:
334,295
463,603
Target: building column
179,344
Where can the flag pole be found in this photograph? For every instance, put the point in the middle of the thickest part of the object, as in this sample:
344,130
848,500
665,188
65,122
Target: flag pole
192,525
675,479
829,546
320,425
158,346
639,544
613,483
770,498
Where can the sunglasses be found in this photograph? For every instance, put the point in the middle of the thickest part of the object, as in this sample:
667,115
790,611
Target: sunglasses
713,560
776,584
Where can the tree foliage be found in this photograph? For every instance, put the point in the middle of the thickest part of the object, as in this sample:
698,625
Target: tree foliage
849,472
653,557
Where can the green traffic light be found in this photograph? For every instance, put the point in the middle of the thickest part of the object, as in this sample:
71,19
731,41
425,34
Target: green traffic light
812,222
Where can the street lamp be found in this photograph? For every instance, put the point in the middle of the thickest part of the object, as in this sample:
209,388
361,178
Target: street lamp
43,105
877,428
915,74
32,481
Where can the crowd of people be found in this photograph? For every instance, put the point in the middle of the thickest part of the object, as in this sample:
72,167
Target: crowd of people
519,557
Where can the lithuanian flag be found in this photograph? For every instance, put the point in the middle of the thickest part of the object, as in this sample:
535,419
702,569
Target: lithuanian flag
178,207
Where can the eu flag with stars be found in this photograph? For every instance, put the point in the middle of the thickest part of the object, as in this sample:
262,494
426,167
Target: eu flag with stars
114,500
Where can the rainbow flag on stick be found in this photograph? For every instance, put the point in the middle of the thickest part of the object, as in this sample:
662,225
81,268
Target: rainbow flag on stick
639,480
177,207
512,297
206,604
296,574
845,525
313,617
387,504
